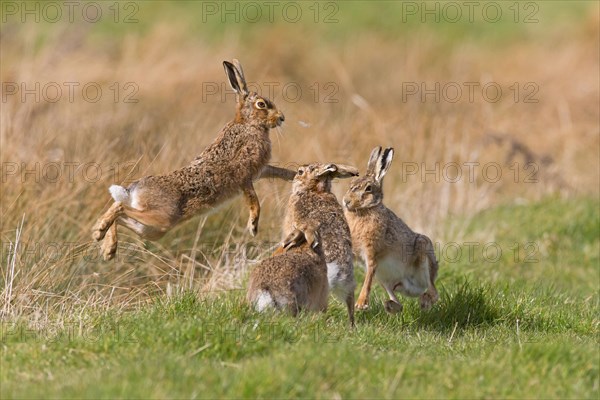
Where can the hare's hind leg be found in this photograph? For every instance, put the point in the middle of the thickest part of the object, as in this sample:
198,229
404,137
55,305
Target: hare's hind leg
106,220
363,298
431,296
350,307
109,244
148,224
254,206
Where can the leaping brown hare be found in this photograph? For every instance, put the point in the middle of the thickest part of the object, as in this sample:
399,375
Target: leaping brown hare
313,204
153,205
294,279
399,258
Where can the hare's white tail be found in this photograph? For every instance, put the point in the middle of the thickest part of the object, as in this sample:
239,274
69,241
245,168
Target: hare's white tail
119,193
264,300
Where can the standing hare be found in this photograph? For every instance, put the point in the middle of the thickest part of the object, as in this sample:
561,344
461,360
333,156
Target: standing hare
295,279
312,203
399,258
153,205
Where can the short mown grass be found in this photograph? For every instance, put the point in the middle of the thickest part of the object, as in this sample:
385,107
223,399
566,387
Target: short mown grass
504,330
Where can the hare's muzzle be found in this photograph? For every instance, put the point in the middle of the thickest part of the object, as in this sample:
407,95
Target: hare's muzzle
280,119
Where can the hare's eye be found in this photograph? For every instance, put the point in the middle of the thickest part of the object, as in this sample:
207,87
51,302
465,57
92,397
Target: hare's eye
300,172
368,189
261,104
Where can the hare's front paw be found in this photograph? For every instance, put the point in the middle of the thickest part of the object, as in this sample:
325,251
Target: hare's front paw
427,299
253,226
361,304
392,307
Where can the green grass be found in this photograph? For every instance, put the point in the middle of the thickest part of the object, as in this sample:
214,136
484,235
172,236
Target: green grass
251,22
501,330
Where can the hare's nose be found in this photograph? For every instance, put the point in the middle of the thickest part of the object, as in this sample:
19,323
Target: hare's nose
281,117
346,202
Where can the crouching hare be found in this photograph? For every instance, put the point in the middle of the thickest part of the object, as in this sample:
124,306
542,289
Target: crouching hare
399,258
294,279
313,204
153,205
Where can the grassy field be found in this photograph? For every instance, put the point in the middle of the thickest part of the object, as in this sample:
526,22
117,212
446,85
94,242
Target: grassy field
517,233
504,329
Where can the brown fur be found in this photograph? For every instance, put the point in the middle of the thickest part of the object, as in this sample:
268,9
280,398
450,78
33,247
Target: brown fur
313,204
153,205
294,280
381,237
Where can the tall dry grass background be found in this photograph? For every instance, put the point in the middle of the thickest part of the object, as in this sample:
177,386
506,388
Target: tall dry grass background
49,262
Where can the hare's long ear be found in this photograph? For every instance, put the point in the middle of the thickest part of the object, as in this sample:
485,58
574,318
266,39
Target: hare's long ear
383,164
312,238
294,239
327,169
311,234
236,78
239,68
373,160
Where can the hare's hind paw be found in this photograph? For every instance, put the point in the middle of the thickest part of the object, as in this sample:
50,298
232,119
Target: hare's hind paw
99,230
392,307
109,245
106,221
